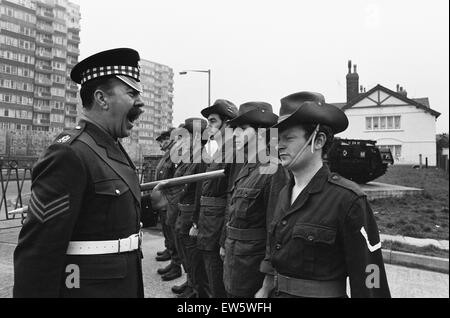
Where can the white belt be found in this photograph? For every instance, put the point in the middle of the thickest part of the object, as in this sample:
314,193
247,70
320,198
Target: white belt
131,243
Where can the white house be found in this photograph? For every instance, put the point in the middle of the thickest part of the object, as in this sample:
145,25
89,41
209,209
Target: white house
406,126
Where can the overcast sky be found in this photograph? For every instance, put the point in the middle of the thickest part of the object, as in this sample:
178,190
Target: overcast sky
264,50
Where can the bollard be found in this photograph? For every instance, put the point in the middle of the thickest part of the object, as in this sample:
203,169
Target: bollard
426,162
420,161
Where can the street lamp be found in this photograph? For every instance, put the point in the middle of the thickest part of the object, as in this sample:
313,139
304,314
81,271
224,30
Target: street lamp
209,81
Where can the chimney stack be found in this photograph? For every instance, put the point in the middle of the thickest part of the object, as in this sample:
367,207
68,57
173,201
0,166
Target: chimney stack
403,91
398,88
352,82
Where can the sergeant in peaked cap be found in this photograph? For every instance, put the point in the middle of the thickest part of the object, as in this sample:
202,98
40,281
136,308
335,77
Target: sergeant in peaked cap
84,212
318,213
122,63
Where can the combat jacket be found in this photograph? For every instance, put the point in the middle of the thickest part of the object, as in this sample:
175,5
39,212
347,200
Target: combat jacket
174,193
246,228
165,168
84,188
213,203
189,201
327,234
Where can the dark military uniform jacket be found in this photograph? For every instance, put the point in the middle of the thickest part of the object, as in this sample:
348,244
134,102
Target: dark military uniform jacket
246,232
189,202
213,203
327,234
175,193
164,170
165,167
84,188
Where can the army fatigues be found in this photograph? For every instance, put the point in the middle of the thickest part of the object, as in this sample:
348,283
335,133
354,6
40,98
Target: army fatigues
188,204
173,195
327,234
246,234
210,222
165,170
84,188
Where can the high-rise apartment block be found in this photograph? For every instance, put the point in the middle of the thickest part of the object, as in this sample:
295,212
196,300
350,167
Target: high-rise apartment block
39,42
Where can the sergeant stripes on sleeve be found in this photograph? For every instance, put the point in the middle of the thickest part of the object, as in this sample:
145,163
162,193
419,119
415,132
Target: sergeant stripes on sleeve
45,212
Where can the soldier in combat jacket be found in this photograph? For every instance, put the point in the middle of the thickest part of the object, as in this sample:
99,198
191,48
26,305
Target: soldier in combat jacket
323,230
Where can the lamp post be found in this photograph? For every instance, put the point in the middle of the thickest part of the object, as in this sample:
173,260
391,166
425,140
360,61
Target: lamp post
209,81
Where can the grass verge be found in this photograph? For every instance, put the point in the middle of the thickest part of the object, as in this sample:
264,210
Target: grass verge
422,216
429,250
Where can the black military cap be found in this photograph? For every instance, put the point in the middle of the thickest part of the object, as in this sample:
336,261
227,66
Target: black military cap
190,122
310,108
254,113
123,63
164,134
222,107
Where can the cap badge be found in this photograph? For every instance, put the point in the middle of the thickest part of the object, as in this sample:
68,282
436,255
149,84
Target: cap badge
63,139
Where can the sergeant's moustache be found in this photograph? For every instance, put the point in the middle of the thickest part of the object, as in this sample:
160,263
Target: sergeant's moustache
311,140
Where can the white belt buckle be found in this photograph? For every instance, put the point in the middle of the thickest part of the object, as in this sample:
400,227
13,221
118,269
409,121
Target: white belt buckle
128,242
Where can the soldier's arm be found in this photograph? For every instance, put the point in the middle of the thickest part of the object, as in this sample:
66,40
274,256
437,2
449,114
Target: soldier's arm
277,182
362,248
58,183
198,193
230,177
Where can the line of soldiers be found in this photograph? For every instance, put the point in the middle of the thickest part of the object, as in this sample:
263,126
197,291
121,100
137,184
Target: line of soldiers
283,227
256,233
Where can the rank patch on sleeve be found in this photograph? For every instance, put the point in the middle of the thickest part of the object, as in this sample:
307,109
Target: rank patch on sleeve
372,248
44,212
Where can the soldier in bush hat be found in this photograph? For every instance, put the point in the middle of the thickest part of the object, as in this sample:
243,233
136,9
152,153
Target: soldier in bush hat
323,229
209,219
250,202
184,201
82,236
164,170
166,199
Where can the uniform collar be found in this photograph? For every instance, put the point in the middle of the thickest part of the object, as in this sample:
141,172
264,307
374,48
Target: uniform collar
316,185
318,181
103,139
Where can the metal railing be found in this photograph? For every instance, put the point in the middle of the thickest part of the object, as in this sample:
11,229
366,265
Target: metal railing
14,174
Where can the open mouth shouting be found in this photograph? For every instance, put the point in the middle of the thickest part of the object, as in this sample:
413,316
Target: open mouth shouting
133,115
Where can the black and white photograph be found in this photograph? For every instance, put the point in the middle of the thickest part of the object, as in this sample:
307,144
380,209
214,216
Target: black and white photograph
224,155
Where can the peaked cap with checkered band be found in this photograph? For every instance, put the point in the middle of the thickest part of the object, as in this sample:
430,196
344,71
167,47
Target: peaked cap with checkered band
122,62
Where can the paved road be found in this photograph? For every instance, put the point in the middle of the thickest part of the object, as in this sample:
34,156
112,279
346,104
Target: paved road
404,282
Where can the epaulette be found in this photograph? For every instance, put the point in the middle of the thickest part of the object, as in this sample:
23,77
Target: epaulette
69,136
345,183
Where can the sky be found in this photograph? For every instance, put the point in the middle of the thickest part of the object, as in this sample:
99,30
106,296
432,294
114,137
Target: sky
259,50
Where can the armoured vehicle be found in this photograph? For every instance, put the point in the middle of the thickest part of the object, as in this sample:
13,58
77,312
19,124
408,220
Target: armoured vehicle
358,160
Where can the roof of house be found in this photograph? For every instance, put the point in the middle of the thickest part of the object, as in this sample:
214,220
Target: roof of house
423,100
422,103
